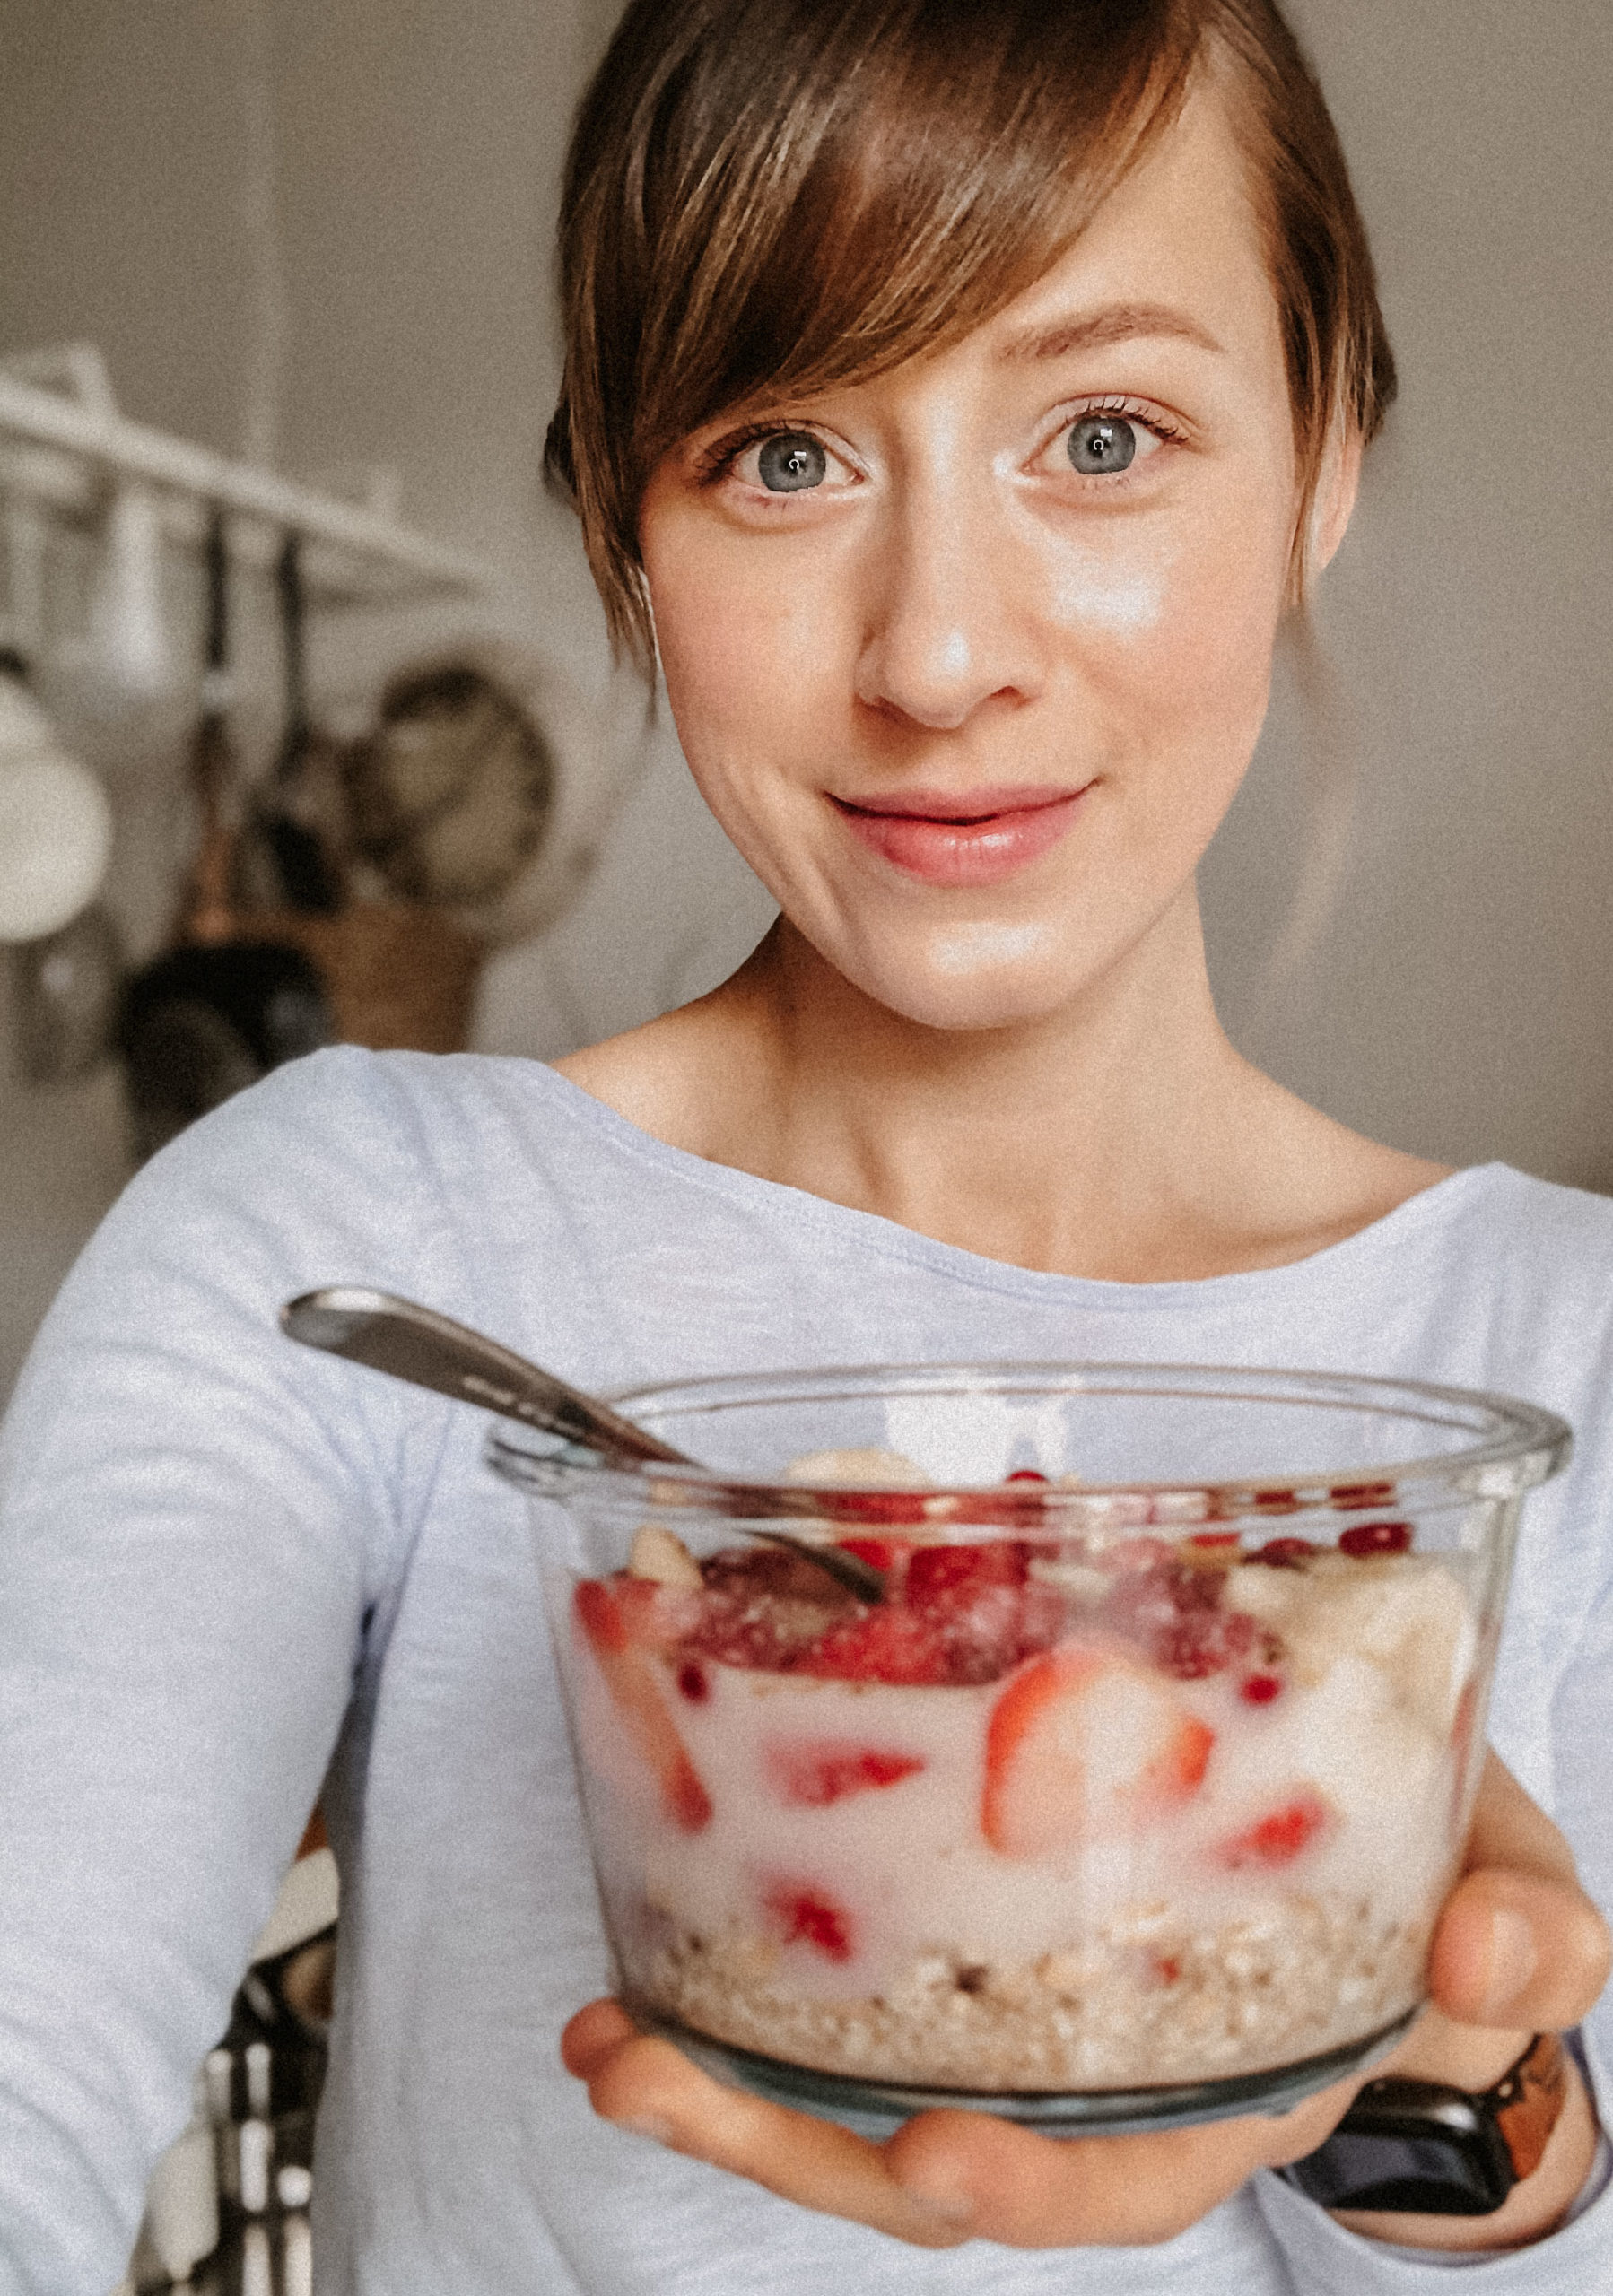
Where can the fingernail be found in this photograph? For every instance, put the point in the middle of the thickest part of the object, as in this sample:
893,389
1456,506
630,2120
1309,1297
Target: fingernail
1513,1959
650,2124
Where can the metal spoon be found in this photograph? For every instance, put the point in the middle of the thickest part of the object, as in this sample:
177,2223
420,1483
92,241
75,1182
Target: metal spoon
417,1344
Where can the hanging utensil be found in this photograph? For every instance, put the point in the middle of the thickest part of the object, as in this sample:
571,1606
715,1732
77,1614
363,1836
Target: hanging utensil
297,844
215,1013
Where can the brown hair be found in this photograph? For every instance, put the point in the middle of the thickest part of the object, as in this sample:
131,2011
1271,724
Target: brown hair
779,195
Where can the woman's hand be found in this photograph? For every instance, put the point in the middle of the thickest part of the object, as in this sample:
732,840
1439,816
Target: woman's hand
1519,1947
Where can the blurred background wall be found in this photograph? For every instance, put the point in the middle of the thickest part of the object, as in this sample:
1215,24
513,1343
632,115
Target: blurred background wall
1444,781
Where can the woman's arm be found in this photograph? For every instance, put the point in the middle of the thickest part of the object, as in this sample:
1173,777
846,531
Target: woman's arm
193,1526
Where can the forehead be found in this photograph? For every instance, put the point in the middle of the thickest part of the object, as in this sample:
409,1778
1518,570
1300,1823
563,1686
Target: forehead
1176,253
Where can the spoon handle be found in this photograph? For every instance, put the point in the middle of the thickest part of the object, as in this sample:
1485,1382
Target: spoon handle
432,1351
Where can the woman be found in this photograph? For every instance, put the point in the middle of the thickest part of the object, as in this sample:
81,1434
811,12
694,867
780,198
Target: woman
959,395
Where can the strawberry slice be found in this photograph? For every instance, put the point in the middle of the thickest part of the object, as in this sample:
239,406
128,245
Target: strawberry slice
810,1773
1084,1742
1278,1838
651,1730
801,1913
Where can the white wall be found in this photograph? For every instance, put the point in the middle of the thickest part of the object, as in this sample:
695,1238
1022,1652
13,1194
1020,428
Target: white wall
1457,1002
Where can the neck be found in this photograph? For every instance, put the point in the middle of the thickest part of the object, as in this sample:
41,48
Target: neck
1058,1143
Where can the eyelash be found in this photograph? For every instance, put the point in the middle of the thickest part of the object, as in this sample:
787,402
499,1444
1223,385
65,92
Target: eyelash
719,459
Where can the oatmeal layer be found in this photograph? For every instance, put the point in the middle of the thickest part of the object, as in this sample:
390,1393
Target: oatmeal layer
1144,2001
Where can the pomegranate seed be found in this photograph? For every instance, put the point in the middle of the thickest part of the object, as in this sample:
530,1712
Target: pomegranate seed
1376,1538
1026,1474
1284,1554
1259,1690
1217,1538
1276,1503
693,1683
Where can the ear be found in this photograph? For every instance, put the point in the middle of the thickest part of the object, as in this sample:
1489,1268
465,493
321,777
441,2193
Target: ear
1338,484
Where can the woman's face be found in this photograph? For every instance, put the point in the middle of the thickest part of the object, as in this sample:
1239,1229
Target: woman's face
969,661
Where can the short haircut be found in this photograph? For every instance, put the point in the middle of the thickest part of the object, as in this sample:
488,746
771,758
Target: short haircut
772,197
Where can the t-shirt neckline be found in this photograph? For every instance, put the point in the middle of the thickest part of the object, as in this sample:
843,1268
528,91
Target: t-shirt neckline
889,1239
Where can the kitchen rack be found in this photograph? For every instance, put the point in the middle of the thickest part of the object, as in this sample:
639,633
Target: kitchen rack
64,444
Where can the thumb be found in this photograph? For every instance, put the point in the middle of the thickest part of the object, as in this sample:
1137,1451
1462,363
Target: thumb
1519,1943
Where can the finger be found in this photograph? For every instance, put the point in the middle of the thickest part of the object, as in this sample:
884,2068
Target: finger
1518,1950
1519,1944
592,2034
1024,2190
1509,1827
643,2083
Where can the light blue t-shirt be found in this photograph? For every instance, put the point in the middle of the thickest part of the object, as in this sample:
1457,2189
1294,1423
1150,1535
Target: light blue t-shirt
233,1572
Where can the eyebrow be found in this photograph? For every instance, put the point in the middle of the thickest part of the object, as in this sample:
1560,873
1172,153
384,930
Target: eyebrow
1116,323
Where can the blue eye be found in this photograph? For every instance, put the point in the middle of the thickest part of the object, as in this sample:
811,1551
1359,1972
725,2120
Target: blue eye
790,461
1102,443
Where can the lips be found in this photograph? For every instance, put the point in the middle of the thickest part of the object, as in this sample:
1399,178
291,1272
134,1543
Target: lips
966,837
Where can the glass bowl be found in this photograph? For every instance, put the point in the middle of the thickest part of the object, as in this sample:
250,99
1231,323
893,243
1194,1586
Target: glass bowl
1125,1792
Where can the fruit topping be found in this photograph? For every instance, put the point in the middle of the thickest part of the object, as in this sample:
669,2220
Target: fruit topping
693,1683
1026,1474
1278,1838
886,1645
1259,1690
800,1913
1284,1554
764,1606
659,1556
636,1695
1176,1615
811,1773
1084,1743
1376,1538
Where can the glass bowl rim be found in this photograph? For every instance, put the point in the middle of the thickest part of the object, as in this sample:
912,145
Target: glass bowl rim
1523,1445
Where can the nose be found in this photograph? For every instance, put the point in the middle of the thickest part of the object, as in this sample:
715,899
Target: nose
943,636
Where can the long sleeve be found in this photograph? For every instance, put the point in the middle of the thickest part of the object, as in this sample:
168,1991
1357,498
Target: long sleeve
191,1541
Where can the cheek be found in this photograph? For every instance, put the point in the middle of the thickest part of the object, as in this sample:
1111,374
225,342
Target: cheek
1175,628
745,646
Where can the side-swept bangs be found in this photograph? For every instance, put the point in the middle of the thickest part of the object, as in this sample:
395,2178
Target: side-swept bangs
770,197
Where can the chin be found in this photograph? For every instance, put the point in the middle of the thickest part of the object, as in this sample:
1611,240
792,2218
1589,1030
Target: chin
986,974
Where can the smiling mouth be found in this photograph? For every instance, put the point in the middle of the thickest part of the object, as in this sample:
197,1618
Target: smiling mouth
965,837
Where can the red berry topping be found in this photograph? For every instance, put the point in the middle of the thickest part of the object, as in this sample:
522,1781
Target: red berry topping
810,1774
1278,1838
1175,1613
1284,1554
886,1645
1210,1539
946,1577
1376,1538
1026,1474
1259,1690
802,1914
693,1683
